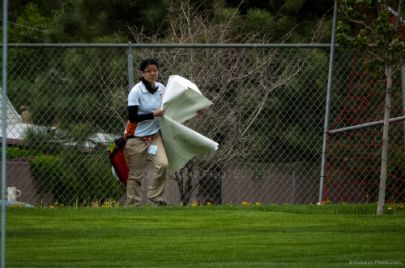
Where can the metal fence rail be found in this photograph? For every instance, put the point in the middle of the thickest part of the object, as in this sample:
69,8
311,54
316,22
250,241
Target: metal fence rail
268,115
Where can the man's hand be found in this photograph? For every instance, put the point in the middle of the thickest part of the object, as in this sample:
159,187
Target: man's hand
158,112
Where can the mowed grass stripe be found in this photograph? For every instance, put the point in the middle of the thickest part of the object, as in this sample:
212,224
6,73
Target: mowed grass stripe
265,236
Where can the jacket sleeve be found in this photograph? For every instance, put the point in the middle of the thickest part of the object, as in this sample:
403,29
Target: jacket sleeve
134,116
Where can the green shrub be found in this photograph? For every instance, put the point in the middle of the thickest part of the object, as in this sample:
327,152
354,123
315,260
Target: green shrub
17,152
75,177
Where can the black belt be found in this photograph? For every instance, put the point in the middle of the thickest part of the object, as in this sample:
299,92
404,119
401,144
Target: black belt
145,138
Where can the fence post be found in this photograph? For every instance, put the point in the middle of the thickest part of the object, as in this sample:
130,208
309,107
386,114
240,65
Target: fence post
403,96
4,136
327,105
130,67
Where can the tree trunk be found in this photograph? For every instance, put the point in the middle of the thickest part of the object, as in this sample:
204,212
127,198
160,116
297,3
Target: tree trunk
384,153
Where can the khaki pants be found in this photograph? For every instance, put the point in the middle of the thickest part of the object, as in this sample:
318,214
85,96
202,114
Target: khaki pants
136,151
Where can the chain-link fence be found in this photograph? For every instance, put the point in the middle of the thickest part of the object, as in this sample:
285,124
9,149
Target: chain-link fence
355,135
66,103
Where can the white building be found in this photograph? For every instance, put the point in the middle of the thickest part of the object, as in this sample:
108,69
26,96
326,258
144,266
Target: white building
15,125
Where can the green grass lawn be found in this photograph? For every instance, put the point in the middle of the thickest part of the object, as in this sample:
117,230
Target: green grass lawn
223,236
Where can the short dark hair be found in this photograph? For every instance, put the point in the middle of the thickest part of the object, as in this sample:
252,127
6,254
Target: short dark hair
146,62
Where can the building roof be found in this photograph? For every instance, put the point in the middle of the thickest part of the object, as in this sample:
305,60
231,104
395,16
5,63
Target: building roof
16,128
12,115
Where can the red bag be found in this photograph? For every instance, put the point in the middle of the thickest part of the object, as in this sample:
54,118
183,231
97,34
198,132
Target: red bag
116,151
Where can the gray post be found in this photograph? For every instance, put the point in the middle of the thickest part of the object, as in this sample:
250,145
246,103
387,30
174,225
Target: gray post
403,96
385,141
327,105
4,138
130,67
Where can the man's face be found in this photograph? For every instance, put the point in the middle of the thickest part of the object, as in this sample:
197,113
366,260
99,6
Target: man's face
150,73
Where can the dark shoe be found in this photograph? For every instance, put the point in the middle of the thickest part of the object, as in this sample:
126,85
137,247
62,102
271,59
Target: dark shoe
159,203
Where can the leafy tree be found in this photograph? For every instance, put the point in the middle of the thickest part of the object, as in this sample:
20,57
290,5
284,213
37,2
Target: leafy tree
30,26
277,18
118,21
374,26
